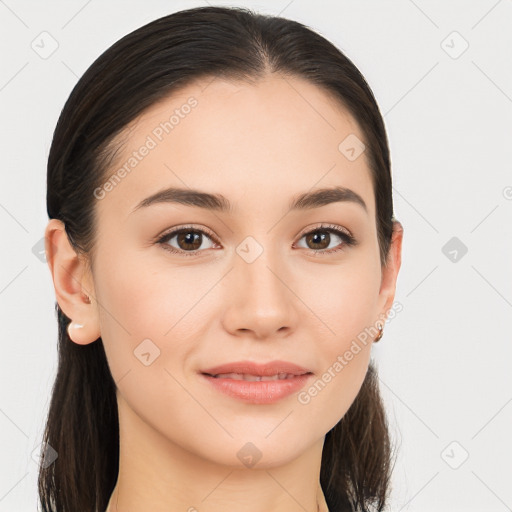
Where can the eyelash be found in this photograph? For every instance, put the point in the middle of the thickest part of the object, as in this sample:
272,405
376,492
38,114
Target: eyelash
348,240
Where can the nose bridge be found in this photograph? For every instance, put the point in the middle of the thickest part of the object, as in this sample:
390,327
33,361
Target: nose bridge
257,264
260,300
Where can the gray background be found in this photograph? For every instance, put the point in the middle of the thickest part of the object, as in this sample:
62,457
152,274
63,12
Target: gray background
445,359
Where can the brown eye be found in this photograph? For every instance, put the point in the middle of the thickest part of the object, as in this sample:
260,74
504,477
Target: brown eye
188,241
320,239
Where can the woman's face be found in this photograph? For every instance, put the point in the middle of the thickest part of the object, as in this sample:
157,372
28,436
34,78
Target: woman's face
250,283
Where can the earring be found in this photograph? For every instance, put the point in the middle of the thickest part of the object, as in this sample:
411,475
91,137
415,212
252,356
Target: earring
73,325
87,298
381,331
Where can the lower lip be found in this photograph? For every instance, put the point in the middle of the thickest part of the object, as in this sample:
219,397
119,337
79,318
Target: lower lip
259,392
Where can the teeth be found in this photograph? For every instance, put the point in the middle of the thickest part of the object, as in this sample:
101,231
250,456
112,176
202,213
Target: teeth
239,376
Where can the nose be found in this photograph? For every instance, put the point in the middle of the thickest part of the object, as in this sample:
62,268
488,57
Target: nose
260,298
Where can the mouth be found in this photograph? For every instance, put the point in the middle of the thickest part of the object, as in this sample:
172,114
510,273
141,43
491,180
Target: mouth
256,383
255,378
250,370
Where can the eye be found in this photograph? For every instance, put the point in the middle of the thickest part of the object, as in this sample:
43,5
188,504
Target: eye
189,240
320,238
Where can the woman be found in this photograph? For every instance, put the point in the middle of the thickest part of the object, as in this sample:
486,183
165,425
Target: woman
224,253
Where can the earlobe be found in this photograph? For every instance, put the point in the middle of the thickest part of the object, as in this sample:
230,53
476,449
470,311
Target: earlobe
69,274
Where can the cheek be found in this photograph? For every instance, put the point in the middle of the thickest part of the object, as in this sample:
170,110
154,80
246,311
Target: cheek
343,301
124,291
141,302
342,297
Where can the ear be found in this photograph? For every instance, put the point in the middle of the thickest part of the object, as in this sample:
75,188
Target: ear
391,268
73,284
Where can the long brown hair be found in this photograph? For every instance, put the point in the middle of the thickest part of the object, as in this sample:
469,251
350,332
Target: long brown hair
134,73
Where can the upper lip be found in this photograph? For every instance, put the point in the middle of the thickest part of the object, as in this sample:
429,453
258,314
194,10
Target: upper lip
261,369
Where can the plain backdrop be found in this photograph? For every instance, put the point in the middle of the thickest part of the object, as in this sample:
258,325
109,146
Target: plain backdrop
442,76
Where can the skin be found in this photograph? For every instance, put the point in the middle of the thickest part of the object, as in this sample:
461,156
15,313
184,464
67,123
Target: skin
258,145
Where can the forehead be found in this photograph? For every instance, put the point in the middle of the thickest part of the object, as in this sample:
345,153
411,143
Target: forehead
275,138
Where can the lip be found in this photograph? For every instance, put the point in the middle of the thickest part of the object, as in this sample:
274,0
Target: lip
261,369
258,392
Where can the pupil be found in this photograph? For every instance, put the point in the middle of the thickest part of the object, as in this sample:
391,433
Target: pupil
189,238
319,235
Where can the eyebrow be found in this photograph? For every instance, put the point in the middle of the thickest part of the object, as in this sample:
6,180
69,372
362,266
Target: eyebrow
219,203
